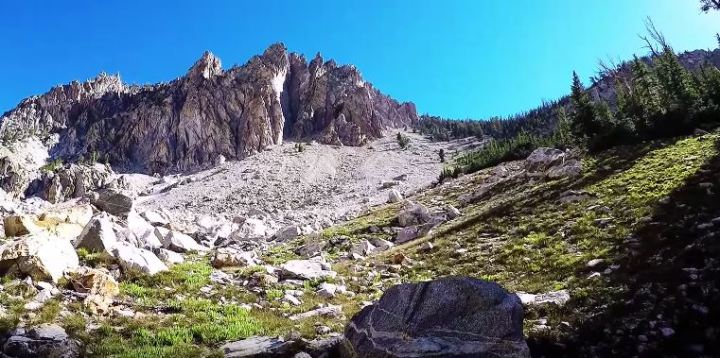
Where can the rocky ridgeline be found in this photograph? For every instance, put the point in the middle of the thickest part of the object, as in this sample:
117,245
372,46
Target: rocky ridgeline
189,122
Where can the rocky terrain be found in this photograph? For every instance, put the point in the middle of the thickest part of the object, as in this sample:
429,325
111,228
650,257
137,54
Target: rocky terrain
282,209
311,189
186,123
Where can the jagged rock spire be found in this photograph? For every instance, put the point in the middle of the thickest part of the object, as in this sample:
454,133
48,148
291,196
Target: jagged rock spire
206,67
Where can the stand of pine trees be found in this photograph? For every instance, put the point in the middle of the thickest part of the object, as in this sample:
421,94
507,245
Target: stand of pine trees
654,100
655,97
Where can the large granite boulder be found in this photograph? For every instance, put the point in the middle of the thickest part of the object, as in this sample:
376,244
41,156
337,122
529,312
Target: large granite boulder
448,317
46,340
73,181
98,235
552,163
40,256
306,270
134,258
114,202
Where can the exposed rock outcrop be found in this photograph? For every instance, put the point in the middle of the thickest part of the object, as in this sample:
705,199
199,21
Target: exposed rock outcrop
46,340
449,317
191,121
39,256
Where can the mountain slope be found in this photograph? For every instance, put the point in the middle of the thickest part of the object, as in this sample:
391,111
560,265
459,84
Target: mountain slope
543,119
185,124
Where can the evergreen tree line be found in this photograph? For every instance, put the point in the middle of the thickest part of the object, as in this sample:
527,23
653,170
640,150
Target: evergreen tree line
655,97
540,121
497,151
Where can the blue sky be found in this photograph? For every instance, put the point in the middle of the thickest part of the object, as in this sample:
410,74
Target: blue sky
474,58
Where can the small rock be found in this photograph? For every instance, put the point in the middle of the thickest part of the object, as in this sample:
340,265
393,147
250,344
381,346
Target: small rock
305,270
169,257
327,290
331,311
394,196
133,258
288,233
259,347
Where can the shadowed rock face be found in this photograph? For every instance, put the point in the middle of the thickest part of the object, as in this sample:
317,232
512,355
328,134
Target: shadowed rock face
184,124
449,317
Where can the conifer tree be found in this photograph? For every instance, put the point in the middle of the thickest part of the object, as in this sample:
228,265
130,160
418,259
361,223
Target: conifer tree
707,5
644,104
584,122
563,131
675,81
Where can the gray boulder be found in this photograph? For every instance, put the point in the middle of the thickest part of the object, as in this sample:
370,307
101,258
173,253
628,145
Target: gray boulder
113,202
98,235
542,159
406,234
133,258
413,214
569,168
177,241
288,233
47,340
260,347
305,270
449,317
552,163
394,196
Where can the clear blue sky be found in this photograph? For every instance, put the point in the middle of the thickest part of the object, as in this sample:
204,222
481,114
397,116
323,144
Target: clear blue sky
473,58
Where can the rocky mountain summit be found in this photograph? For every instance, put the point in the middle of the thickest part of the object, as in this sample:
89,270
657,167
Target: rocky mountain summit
188,122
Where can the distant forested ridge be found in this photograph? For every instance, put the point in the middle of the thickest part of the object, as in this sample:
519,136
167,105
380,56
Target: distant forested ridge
543,120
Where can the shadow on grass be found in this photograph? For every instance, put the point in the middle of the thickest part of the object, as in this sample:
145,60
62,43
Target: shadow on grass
617,159
666,296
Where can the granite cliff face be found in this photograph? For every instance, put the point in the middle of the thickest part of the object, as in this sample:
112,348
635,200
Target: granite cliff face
186,123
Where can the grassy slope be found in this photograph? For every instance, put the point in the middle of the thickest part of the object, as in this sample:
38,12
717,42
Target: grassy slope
522,237
528,241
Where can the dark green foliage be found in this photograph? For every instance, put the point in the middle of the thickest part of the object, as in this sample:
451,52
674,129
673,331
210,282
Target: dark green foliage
403,141
707,5
540,121
496,152
654,99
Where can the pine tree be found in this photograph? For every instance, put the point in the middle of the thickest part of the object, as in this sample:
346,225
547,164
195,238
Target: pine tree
644,104
711,86
675,81
707,5
563,131
584,122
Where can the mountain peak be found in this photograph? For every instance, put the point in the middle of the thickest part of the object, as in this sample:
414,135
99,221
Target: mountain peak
206,67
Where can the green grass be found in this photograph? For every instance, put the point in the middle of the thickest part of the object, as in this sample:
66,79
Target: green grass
522,237
525,239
